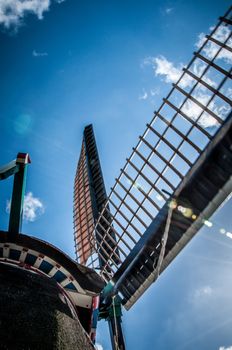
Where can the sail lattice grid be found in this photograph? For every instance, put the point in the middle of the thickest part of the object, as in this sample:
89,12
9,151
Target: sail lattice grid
122,235
189,117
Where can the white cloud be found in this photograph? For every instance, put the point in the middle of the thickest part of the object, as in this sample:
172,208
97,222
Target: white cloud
171,73
39,54
201,297
193,111
165,68
223,348
144,96
155,91
168,10
98,346
147,61
32,207
229,92
210,49
12,12
203,292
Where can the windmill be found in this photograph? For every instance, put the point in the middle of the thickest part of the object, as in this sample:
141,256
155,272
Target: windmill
176,177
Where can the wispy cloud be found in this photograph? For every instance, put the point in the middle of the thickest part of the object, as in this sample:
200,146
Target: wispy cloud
155,92
144,96
168,10
171,73
167,70
201,296
210,49
149,94
193,111
203,292
32,208
225,348
39,54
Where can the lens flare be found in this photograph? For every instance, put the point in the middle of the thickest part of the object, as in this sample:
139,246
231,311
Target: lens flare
173,204
208,223
187,212
23,124
229,234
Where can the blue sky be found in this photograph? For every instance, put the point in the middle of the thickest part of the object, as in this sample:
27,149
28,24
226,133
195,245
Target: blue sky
68,63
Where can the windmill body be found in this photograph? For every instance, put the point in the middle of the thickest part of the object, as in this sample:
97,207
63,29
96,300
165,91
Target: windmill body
46,298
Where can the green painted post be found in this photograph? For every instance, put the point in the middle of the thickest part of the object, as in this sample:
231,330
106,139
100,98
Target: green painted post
111,310
16,211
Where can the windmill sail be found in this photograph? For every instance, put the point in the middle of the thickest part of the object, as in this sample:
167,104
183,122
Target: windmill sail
178,174
175,163
89,199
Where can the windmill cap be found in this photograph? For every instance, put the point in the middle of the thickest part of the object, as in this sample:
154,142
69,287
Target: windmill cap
23,158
